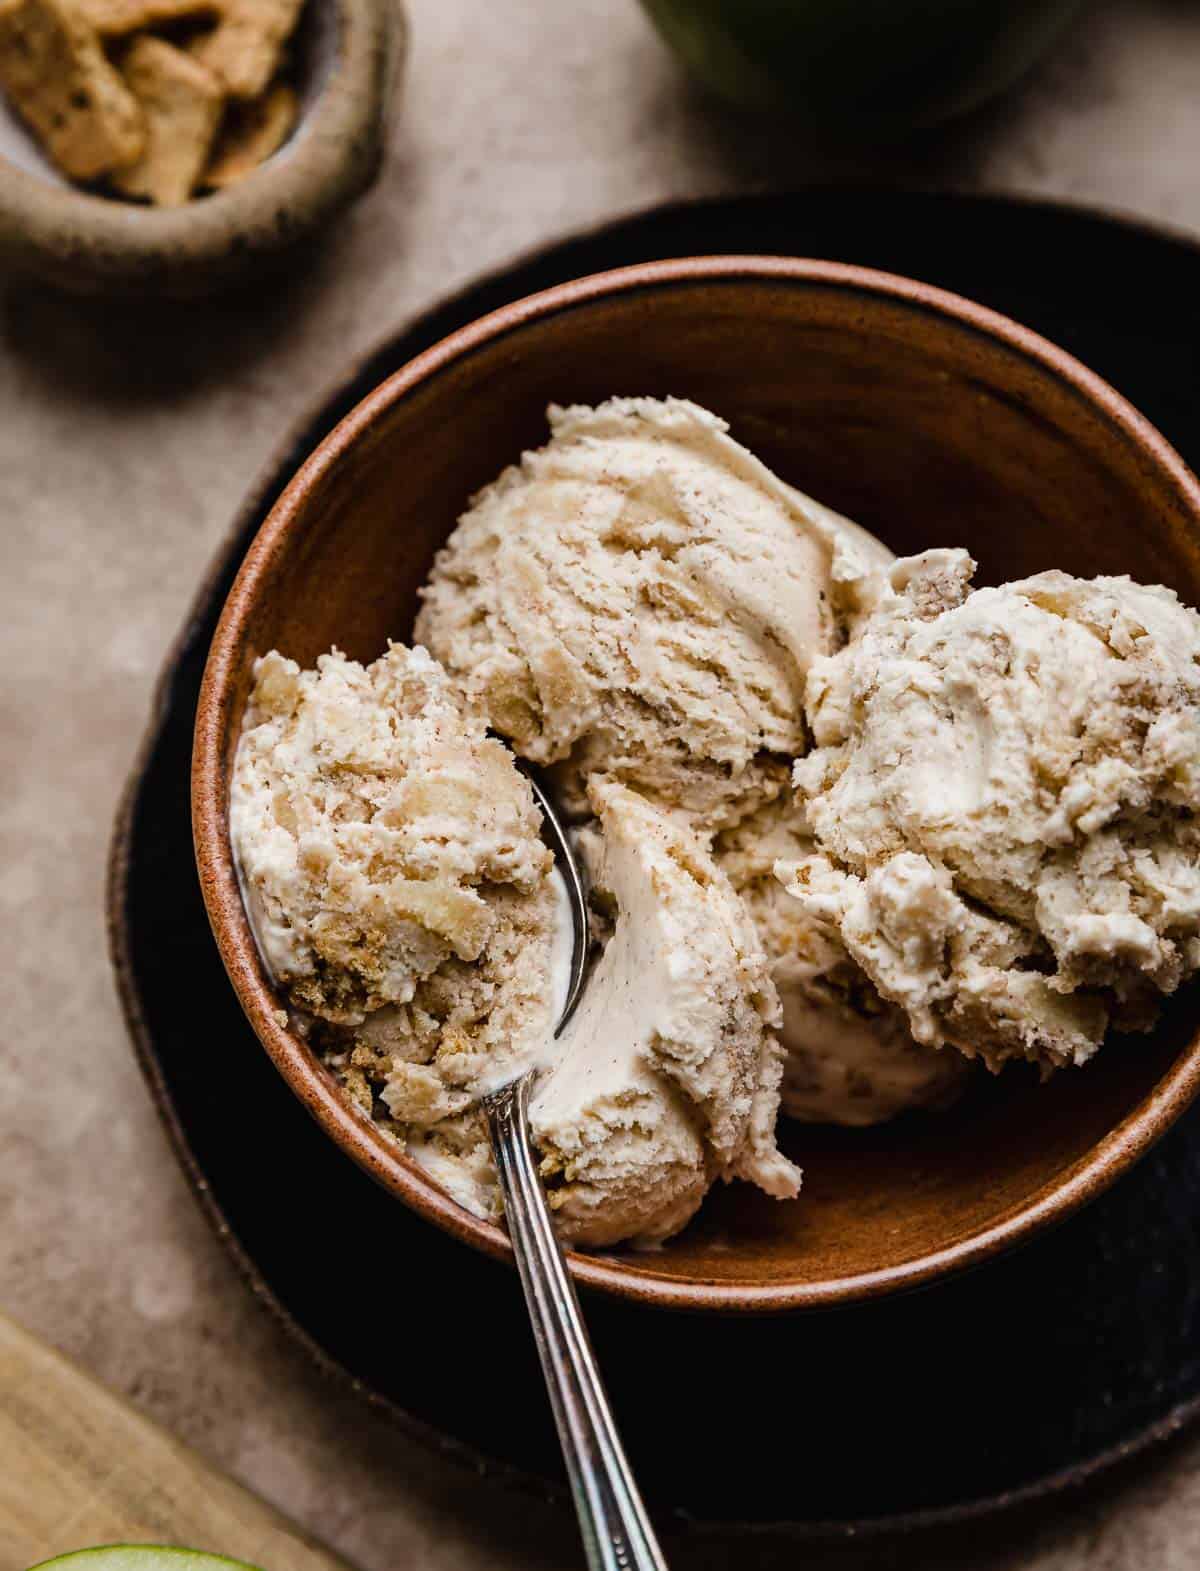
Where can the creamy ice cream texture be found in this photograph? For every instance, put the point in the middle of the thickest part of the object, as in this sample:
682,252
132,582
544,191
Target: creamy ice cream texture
668,1075
393,868
850,1057
1003,797
389,851
641,598
991,850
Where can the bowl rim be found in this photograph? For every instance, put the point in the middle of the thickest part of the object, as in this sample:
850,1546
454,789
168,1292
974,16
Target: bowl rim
1057,1199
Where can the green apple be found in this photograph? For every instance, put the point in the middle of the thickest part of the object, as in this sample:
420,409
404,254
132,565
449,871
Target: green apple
865,64
141,1557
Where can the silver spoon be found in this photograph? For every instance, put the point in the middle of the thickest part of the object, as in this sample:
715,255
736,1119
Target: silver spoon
617,1535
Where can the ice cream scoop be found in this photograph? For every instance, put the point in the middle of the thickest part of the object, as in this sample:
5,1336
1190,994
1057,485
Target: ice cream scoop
667,1079
640,599
383,838
851,1058
1005,799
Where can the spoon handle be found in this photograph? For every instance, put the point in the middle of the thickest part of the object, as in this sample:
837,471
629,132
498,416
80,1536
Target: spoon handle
617,1535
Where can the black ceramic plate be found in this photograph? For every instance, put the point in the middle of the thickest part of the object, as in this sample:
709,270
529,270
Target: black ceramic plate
1030,1374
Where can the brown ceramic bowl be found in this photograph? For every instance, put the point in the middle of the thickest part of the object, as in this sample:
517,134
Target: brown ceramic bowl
927,418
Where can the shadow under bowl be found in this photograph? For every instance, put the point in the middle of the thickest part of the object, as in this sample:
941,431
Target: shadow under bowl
344,61
928,419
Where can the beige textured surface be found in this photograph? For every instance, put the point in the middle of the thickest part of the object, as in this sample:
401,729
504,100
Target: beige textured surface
126,442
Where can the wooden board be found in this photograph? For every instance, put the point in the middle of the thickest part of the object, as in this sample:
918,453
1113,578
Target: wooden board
78,1467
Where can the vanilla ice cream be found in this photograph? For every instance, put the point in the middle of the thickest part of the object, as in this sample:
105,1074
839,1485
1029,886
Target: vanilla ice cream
393,868
1003,796
667,1077
992,850
390,854
641,598
851,1058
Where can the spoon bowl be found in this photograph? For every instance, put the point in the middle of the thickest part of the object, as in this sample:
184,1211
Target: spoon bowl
571,874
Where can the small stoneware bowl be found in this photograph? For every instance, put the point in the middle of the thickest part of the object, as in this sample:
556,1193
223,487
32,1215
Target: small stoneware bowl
928,419
346,57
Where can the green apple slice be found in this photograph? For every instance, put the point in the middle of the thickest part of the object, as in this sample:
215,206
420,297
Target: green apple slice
141,1557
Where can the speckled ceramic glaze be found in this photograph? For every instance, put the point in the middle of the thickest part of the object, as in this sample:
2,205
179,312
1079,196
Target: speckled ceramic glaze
929,419
349,54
